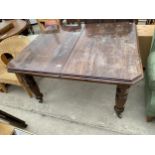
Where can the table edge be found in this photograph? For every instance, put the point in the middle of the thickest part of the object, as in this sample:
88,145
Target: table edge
78,77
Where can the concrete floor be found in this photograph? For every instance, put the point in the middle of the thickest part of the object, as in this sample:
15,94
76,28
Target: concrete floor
73,107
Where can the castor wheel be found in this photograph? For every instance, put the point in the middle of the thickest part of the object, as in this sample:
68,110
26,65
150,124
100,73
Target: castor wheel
150,118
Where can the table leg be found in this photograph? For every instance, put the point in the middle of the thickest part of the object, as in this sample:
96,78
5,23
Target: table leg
33,86
120,99
150,118
3,88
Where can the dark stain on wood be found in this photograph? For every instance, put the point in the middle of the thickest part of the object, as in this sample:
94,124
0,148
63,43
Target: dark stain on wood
98,52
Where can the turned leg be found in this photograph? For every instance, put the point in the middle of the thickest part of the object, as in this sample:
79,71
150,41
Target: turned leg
33,86
3,88
120,99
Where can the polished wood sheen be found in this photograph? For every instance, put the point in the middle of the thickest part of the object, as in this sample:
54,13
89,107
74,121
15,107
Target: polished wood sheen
98,52
46,55
106,53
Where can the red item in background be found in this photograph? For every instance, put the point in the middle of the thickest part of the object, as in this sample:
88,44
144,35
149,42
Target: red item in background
50,23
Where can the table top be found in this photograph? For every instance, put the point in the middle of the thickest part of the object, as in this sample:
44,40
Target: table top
19,26
105,53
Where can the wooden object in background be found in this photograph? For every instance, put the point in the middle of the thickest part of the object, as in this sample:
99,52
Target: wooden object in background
105,53
18,27
5,27
71,24
29,26
3,88
91,21
10,48
45,25
145,33
6,129
150,21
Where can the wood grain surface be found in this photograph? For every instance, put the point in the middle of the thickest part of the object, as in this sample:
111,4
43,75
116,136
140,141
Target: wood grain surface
46,55
106,51
19,26
98,52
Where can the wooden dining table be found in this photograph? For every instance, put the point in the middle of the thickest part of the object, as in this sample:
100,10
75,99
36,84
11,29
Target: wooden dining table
101,53
18,27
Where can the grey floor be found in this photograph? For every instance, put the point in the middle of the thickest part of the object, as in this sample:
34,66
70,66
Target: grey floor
73,107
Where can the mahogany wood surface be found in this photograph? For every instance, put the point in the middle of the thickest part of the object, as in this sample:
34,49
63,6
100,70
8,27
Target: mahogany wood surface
97,52
106,53
121,98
